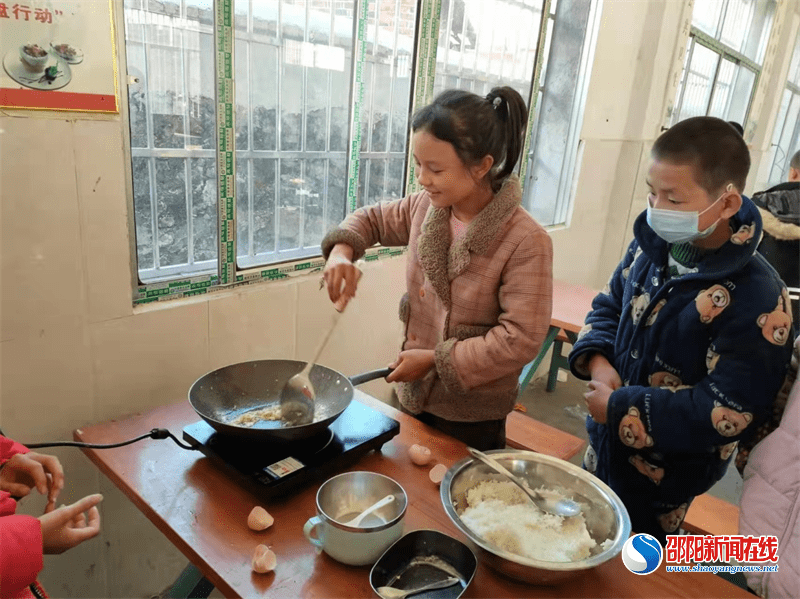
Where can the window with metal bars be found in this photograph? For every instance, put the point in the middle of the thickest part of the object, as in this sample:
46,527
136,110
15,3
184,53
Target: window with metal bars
294,65
723,58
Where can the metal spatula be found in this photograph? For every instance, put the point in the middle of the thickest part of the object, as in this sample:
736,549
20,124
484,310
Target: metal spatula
298,395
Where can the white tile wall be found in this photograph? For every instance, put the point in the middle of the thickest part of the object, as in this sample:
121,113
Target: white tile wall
103,220
257,324
148,359
42,271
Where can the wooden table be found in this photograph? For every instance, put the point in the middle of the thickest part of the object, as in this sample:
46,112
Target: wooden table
203,513
571,303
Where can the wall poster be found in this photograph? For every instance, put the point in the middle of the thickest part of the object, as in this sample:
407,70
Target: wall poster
58,55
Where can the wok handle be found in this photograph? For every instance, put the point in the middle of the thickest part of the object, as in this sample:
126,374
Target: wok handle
372,375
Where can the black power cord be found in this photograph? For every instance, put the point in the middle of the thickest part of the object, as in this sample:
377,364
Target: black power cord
156,433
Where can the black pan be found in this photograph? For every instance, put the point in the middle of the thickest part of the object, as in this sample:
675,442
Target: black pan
224,394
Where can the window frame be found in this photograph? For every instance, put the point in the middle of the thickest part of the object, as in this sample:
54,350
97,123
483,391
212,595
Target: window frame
793,88
697,36
175,283
564,204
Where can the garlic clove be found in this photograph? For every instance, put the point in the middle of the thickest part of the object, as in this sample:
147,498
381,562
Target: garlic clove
419,454
259,519
264,559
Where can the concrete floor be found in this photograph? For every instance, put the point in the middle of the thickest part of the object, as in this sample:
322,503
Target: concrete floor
564,409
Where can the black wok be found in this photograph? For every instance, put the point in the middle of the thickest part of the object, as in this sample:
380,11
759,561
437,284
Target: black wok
226,393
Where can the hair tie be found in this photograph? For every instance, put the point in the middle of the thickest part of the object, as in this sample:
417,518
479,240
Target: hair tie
496,102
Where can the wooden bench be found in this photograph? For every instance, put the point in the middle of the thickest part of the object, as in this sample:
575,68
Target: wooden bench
709,515
571,304
524,432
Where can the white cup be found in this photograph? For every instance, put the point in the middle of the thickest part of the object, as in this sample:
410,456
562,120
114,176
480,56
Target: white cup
345,496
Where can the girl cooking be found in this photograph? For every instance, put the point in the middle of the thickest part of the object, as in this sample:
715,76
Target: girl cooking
479,267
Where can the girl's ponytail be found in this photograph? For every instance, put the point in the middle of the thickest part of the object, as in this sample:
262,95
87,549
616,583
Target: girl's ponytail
513,115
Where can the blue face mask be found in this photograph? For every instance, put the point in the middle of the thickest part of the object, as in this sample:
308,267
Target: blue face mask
675,226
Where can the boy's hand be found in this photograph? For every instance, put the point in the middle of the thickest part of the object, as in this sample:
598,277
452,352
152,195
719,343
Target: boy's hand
25,471
67,526
412,365
600,369
597,400
340,270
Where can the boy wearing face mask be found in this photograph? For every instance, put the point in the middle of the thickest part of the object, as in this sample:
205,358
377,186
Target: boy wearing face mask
689,343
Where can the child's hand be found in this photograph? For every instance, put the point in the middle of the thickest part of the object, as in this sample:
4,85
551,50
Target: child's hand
340,270
25,471
411,365
600,369
67,526
597,400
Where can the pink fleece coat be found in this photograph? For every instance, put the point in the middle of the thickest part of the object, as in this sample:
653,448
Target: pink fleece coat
482,303
770,503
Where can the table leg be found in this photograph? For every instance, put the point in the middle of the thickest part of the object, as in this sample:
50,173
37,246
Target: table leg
558,361
528,372
190,584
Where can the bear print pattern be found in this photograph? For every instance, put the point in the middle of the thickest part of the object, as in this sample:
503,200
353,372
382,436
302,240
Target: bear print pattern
639,304
672,520
744,234
711,302
654,314
712,358
776,326
654,473
667,380
632,431
728,422
726,450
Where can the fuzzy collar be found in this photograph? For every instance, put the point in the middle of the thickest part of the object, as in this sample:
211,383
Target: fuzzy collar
442,261
777,228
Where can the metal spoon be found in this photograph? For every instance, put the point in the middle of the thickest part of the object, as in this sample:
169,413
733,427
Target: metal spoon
393,593
354,522
563,507
298,395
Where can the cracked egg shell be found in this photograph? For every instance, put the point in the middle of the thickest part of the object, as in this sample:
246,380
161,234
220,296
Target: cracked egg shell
437,473
264,559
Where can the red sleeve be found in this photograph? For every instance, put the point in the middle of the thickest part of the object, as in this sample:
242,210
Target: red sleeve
9,448
20,536
20,549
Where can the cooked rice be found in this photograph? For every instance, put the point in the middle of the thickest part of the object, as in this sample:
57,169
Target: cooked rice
504,516
250,418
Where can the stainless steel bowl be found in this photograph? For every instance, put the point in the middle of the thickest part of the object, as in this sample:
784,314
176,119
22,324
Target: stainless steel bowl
345,496
606,516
